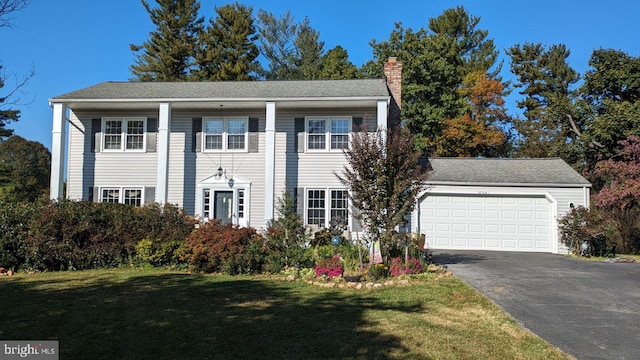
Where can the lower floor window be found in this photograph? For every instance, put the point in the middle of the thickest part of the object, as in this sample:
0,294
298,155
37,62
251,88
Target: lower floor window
122,195
334,215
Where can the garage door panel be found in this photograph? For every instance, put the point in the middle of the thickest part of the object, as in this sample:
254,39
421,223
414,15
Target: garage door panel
517,223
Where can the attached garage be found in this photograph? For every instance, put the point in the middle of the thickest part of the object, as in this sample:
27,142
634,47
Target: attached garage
498,204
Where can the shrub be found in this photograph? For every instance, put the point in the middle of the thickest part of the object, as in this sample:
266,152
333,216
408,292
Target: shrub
330,267
228,249
15,221
158,253
399,267
377,271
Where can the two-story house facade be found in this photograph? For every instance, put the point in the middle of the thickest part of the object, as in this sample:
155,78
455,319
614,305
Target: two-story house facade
229,150
225,150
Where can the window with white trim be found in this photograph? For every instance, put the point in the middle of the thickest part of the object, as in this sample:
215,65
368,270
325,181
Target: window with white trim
321,215
124,134
225,134
330,133
122,195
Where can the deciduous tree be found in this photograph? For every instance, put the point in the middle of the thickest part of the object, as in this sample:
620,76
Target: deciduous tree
9,100
384,179
24,169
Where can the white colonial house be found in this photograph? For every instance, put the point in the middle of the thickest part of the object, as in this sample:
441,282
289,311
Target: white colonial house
228,150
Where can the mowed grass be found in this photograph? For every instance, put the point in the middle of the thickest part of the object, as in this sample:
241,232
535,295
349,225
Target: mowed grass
157,314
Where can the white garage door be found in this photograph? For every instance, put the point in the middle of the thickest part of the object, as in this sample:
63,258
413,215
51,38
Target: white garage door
512,223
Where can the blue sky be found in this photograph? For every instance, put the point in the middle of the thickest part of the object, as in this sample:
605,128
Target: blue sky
71,44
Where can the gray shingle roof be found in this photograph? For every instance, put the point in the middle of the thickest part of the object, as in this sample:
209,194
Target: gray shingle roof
530,172
368,88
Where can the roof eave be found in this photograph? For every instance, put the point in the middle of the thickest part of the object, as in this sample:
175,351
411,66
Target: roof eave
461,183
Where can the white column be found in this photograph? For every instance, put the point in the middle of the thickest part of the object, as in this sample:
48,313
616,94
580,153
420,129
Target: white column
164,125
383,113
56,186
270,162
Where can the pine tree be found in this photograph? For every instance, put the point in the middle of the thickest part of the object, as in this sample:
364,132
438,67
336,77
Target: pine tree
309,51
168,54
545,77
227,48
435,62
277,45
336,65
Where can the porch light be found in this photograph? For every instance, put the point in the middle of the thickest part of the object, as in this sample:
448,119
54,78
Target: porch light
219,173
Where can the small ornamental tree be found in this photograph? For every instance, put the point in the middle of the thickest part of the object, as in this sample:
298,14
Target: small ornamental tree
384,178
620,195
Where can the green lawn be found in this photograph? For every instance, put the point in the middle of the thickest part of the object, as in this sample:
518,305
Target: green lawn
157,314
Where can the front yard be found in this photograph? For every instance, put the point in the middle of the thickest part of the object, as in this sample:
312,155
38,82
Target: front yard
158,314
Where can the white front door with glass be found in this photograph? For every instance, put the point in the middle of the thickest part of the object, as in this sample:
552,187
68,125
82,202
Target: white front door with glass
224,200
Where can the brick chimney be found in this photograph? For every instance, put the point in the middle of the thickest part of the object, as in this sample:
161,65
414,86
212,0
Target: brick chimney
393,73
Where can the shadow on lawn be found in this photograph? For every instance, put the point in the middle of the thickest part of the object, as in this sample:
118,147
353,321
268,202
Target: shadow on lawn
180,316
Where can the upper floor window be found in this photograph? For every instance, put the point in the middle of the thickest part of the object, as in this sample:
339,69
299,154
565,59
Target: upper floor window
124,134
225,134
330,133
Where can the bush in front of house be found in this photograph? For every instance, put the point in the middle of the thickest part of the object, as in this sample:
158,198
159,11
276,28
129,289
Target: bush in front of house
227,249
15,221
398,266
67,235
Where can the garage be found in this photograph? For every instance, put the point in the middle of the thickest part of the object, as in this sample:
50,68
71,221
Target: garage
498,204
516,223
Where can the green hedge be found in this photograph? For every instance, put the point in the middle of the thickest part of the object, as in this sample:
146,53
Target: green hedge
69,235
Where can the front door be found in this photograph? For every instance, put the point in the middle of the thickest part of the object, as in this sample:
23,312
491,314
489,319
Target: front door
223,206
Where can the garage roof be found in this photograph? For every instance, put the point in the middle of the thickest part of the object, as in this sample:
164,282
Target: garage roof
521,172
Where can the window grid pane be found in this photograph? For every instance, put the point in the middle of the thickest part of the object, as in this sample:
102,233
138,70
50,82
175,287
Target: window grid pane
207,201
339,206
133,197
135,134
110,195
113,134
339,134
213,142
241,204
316,208
317,136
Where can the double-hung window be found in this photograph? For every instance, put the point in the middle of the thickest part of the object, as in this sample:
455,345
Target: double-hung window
124,134
225,134
330,133
326,207
122,195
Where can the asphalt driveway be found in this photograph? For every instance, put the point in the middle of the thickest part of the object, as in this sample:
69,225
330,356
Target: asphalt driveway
590,310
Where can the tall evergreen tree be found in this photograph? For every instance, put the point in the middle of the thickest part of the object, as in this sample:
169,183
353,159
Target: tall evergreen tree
309,51
336,65
169,53
277,45
227,48
612,91
435,63
552,122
